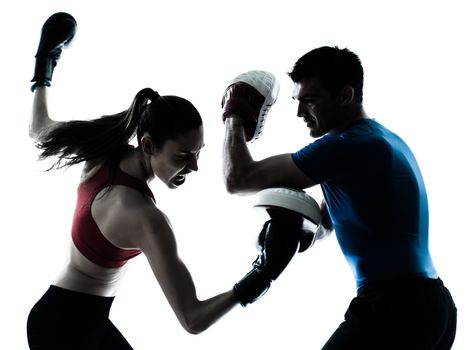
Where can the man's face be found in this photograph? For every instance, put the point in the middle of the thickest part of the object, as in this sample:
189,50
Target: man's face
316,107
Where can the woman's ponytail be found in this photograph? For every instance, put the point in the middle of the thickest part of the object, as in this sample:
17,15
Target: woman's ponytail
135,112
95,140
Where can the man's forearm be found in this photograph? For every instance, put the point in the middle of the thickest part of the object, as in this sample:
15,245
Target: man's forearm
236,155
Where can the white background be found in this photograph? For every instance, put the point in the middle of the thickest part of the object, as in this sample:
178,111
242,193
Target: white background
414,55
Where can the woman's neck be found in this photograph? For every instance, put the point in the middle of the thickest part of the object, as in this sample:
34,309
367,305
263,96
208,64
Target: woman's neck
134,163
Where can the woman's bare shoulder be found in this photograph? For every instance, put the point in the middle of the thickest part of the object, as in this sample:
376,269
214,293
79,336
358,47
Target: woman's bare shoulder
89,169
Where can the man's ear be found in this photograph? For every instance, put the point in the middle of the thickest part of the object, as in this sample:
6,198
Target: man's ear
347,95
147,144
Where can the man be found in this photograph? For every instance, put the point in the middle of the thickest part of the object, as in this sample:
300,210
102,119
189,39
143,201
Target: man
374,194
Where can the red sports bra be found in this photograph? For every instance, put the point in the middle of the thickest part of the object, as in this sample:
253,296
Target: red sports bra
86,235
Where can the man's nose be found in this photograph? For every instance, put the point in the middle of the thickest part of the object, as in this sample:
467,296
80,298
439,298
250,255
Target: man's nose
300,111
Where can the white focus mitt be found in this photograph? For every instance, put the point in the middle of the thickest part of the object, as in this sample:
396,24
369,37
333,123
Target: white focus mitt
292,203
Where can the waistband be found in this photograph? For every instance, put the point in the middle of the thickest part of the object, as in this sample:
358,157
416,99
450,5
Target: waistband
73,299
398,284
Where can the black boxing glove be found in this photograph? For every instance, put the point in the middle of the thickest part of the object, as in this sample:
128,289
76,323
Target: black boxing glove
57,32
277,243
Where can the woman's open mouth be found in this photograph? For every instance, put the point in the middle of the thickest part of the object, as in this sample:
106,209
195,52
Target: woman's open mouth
179,180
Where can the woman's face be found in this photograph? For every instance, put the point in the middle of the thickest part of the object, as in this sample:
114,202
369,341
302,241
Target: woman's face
178,157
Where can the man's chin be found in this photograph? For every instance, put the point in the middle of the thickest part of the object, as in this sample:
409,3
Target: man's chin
315,133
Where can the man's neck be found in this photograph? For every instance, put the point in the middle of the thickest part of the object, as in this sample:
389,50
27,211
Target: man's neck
352,117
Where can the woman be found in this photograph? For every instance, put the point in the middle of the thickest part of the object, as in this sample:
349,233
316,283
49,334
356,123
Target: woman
116,216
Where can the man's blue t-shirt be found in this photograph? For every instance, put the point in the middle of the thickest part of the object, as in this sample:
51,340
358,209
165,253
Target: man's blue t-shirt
376,198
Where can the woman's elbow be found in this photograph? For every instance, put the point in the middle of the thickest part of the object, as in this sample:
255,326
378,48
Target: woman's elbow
193,325
194,330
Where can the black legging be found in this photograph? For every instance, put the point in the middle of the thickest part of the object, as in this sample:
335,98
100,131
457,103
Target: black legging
64,319
416,314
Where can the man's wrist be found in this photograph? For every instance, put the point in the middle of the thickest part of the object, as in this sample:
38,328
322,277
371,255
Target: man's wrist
234,121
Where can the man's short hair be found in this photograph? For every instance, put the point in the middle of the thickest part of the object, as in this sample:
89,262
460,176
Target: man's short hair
335,68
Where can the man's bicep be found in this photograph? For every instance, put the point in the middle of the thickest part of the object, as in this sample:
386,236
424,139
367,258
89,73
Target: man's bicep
281,171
